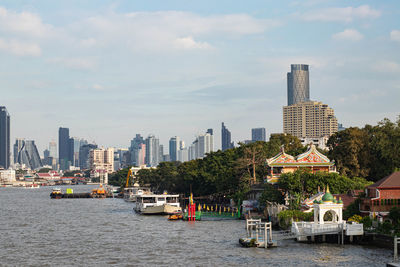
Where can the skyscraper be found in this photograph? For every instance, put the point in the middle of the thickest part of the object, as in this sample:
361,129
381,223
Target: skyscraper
309,120
152,151
298,84
226,138
64,145
258,134
136,145
174,146
53,149
84,155
19,144
27,154
4,138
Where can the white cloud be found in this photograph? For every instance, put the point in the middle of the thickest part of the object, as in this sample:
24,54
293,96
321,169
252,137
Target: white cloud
98,87
20,48
348,35
90,42
75,63
189,43
386,66
341,14
165,30
395,35
25,23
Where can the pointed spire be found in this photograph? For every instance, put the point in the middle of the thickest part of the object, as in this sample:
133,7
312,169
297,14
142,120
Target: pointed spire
327,188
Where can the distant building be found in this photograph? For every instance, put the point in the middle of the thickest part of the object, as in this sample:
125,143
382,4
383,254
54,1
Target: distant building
28,154
152,151
210,131
340,127
183,155
320,142
203,144
174,146
75,145
258,134
102,159
84,155
298,84
134,150
226,138
119,160
19,144
4,138
309,120
7,176
53,149
64,148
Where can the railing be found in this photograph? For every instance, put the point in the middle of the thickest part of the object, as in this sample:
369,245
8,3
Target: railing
396,242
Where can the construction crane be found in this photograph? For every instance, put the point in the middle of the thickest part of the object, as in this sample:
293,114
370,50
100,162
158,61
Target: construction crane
128,176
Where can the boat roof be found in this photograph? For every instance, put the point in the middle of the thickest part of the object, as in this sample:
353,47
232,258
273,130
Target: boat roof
160,195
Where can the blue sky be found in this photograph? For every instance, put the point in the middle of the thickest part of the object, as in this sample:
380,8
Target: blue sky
111,69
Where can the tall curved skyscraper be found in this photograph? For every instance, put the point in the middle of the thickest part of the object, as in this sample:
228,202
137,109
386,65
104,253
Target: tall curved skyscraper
298,84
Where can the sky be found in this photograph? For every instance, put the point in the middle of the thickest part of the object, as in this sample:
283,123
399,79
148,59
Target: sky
108,70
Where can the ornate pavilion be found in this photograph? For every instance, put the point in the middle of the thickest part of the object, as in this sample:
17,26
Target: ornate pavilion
311,159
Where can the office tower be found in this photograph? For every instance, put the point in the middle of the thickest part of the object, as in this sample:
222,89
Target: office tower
19,144
183,155
203,144
210,131
226,138
102,159
46,157
28,154
64,145
119,160
309,120
74,146
141,158
152,151
298,84
53,149
4,138
161,153
84,152
134,149
174,146
258,134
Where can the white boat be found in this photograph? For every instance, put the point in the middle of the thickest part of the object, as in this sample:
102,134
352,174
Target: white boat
33,186
151,204
131,193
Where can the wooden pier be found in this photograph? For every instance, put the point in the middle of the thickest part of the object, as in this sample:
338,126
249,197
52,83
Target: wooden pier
259,234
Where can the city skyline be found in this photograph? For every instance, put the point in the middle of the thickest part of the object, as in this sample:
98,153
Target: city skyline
194,66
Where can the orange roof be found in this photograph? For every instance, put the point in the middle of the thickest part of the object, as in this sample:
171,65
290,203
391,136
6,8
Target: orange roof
390,181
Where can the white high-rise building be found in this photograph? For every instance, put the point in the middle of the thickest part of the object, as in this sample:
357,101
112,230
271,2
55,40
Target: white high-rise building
102,159
203,144
309,119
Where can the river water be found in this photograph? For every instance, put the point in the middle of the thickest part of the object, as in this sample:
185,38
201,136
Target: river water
38,231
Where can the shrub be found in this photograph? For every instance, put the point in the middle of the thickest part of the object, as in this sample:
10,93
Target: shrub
366,221
285,217
355,218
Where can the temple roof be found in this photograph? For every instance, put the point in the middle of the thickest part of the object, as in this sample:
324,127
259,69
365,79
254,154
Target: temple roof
390,181
312,157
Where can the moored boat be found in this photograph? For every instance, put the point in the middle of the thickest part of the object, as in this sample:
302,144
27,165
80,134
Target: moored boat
152,204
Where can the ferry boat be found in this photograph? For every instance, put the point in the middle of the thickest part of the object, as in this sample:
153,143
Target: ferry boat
131,193
151,204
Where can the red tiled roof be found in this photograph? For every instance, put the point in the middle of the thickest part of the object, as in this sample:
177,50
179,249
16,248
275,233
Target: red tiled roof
392,180
346,198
